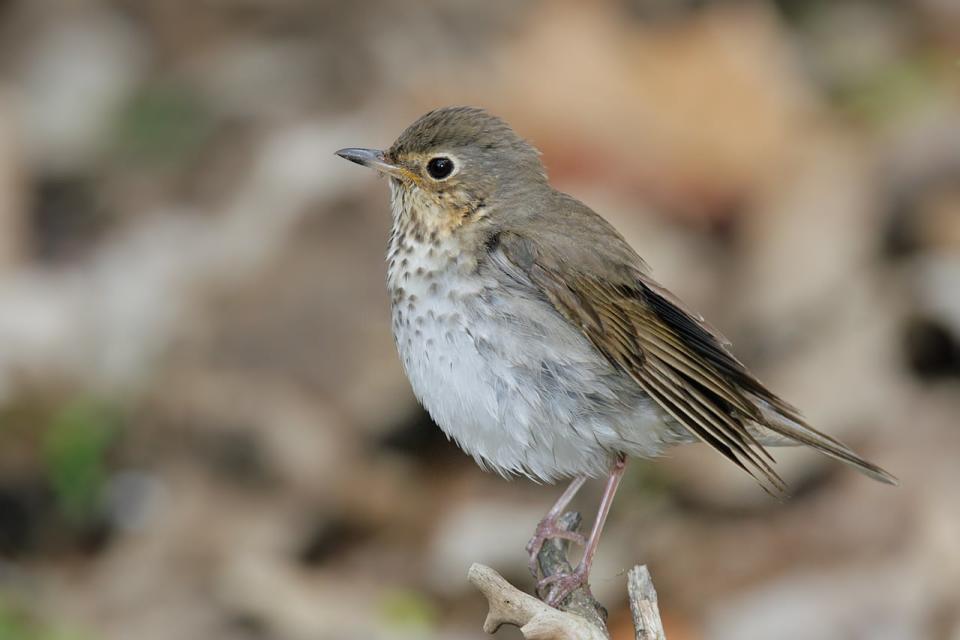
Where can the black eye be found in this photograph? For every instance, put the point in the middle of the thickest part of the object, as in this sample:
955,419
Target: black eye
440,167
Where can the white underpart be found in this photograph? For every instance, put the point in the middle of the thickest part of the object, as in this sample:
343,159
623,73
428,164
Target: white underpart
506,377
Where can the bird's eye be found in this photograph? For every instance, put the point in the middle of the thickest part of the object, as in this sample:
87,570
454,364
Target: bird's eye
440,167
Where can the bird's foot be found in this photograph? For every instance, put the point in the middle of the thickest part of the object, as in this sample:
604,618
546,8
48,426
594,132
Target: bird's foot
561,585
548,529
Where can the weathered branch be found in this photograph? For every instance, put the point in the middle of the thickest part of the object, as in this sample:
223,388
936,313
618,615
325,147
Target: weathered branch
643,604
537,621
580,616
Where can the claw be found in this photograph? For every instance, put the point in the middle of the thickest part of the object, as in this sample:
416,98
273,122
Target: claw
548,530
561,585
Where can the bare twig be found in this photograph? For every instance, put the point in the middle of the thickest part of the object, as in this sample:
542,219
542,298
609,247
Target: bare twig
580,616
643,604
537,621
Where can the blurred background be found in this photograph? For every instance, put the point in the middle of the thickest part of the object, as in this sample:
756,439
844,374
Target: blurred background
205,431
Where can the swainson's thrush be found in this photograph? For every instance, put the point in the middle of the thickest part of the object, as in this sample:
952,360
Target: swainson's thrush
536,338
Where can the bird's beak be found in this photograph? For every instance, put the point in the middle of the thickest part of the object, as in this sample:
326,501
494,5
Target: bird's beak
373,158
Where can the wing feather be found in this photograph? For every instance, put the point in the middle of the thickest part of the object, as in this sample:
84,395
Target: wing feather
673,355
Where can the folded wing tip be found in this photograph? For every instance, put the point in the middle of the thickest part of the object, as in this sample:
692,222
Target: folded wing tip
883,476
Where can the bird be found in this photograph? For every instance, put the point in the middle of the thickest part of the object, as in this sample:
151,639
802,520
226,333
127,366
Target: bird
537,339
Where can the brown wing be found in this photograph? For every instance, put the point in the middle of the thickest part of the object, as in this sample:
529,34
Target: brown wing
599,284
673,356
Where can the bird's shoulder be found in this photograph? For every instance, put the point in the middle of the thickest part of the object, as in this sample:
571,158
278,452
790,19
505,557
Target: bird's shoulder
581,264
567,236
580,261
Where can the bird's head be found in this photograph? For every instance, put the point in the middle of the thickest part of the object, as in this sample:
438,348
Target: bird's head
453,166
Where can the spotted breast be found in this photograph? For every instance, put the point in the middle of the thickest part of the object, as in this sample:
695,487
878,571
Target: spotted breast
499,370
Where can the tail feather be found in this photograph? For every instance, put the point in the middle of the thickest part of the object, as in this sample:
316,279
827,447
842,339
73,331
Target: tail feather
797,432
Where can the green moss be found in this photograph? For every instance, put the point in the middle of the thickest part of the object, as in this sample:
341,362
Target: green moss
889,91
409,610
161,125
75,448
17,624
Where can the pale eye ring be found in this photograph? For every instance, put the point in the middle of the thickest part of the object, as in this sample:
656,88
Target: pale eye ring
440,167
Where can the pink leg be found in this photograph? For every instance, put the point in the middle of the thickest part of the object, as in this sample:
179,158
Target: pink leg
547,528
563,585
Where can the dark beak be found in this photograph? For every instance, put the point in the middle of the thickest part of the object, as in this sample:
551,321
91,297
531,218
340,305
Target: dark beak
372,158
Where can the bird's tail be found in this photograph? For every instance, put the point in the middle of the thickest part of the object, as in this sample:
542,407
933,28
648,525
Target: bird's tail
781,430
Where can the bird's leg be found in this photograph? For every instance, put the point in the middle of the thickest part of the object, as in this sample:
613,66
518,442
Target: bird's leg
561,585
548,528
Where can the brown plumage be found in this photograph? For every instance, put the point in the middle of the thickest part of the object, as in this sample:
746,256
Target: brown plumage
683,364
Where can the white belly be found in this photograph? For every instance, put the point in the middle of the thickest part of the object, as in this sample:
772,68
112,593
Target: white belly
509,380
